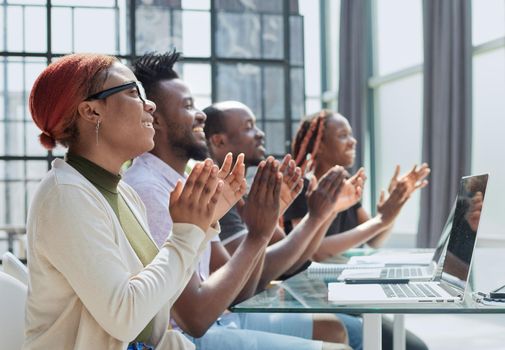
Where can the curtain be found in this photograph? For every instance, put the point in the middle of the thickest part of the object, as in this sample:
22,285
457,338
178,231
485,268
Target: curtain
354,61
447,110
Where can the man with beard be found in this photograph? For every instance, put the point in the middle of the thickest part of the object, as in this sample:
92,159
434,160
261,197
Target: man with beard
231,127
222,279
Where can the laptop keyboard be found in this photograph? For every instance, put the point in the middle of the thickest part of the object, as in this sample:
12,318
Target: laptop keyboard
409,290
401,272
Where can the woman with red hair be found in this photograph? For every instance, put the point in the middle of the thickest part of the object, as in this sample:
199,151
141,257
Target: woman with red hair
97,279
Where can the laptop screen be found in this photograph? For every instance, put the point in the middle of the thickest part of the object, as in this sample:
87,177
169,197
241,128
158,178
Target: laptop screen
464,230
442,242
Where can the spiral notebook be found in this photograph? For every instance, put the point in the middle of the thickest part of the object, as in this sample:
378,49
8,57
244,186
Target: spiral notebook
320,268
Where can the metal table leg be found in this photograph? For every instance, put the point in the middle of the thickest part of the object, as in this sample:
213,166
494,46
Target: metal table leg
372,332
399,340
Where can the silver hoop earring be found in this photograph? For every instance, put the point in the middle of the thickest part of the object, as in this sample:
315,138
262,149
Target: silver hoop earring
96,130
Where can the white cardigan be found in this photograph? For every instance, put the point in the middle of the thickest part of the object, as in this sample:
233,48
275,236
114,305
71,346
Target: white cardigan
87,288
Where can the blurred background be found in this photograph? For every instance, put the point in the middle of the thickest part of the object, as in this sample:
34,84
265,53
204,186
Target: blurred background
283,58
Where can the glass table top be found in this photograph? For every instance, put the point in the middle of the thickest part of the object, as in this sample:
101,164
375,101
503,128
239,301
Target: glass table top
306,293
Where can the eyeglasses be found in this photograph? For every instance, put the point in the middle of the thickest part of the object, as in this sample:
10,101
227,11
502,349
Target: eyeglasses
114,90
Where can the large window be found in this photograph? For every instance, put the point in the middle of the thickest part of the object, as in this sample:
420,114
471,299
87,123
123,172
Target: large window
248,51
397,85
488,37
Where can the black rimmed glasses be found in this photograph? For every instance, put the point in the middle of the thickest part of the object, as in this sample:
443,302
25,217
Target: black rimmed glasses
114,90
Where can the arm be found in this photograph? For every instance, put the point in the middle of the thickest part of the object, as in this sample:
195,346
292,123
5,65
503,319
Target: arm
82,246
86,247
202,302
341,242
331,194
388,210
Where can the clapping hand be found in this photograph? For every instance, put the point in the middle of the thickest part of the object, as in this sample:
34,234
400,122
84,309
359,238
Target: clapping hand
351,191
389,207
292,182
195,202
322,195
234,184
399,190
414,179
261,209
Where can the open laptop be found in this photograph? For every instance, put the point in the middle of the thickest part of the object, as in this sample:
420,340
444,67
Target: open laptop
410,272
454,279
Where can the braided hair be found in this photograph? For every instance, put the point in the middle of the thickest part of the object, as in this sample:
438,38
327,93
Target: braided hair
308,138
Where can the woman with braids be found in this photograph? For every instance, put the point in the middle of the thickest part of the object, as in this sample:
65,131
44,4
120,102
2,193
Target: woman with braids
97,278
324,140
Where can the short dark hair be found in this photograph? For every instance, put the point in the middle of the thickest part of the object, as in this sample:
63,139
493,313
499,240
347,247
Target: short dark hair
215,121
154,67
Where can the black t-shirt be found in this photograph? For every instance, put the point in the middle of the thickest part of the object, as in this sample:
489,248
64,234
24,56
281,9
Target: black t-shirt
232,226
344,221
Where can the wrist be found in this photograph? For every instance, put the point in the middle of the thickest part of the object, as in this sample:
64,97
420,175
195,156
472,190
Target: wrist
382,221
258,238
320,214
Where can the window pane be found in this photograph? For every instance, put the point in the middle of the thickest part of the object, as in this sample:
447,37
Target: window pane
488,20
488,125
393,147
32,71
196,4
15,203
14,170
241,82
238,35
2,200
158,29
273,37
296,39
18,89
33,146
95,3
124,20
35,29
274,93
250,5
16,105
27,2
2,91
196,33
61,33
13,138
313,105
312,52
15,28
2,43
35,169
99,37
297,95
197,77
275,139
2,142
398,49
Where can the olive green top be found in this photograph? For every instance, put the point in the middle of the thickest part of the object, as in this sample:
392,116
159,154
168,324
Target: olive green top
107,184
